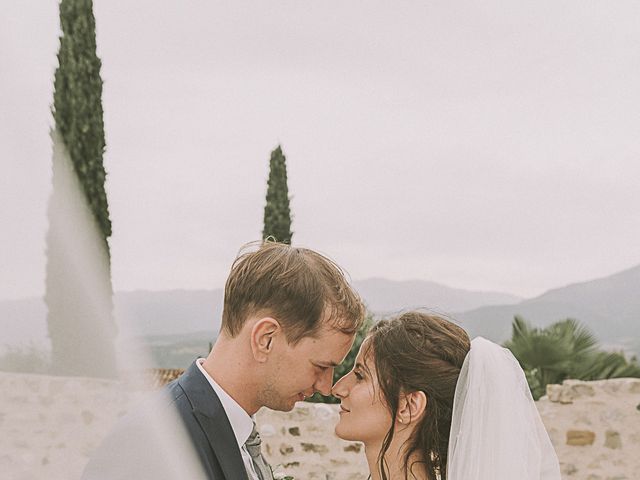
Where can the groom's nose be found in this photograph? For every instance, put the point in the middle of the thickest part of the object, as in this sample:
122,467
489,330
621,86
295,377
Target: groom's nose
325,382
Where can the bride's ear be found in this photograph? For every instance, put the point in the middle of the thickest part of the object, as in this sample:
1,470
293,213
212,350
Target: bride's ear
262,335
412,407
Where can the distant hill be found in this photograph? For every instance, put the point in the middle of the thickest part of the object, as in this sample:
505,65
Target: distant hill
178,312
171,351
23,321
609,306
139,313
387,296
169,312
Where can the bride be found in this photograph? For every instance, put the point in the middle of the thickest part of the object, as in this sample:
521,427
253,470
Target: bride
429,404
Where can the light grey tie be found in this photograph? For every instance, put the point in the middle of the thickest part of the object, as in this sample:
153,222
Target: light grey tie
253,447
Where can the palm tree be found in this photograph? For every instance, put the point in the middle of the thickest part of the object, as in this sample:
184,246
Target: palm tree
607,365
565,349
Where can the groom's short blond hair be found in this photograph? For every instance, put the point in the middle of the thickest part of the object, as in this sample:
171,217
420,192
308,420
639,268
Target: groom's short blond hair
298,287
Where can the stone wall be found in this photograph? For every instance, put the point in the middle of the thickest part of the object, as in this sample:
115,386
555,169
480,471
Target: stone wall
301,443
49,426
595,428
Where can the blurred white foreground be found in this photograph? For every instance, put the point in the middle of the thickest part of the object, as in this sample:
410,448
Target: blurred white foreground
51,424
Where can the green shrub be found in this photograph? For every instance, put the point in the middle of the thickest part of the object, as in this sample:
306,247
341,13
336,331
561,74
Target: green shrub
565,349
29,358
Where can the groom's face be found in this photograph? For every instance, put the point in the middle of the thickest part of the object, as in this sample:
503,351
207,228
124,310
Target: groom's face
298,371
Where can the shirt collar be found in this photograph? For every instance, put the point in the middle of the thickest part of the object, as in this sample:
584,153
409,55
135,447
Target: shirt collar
241,422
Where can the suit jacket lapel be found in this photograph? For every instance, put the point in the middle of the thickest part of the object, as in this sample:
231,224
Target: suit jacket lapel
223,444
214,422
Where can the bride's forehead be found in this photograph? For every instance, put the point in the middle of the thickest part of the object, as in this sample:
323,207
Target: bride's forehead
366,348
365,356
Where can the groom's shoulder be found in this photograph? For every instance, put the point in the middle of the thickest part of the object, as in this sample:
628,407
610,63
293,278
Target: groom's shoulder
171,397
141,442
157,407
186,389
174,392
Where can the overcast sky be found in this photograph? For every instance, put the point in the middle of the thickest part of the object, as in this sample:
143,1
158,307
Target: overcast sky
485,145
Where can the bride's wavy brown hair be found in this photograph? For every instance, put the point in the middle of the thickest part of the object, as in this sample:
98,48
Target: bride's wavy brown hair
416,351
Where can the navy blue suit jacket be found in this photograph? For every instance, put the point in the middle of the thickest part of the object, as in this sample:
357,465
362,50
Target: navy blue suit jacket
146,444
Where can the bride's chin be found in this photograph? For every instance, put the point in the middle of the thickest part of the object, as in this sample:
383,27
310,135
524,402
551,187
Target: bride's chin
342,434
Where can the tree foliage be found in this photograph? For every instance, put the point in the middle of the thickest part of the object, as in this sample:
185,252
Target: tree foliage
565,349
77,104
346,366
277,215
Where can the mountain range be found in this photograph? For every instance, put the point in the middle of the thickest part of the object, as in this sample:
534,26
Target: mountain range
177,312
609,306
384,296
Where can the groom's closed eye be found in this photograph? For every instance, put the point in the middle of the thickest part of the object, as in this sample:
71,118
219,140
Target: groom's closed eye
325,365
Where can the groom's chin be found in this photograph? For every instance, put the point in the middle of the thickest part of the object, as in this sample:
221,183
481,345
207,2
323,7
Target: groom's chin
284,405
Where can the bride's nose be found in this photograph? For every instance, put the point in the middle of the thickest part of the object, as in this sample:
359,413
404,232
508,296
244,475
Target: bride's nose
340,389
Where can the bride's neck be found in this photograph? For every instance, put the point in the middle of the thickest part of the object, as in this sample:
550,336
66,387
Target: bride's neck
394,460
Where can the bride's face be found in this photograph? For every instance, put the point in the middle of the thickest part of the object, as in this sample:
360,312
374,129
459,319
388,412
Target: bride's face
364,416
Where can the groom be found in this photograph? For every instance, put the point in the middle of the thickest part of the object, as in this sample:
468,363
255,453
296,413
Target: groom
289,318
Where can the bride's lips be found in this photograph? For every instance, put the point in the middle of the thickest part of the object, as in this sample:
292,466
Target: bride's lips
302,396
343,410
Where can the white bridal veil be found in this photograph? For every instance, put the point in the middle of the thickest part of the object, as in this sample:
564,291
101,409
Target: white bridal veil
496,431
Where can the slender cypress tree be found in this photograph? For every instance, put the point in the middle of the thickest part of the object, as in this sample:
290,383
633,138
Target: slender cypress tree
78,283
277,216
77,101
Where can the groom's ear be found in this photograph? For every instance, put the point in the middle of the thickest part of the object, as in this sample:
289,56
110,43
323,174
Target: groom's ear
262,335
411,407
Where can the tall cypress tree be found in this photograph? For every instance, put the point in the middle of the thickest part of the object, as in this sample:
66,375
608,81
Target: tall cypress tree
78,284
77,101
277,215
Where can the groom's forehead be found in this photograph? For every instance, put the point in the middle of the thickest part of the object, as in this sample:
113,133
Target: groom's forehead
329,353
335,358
327,347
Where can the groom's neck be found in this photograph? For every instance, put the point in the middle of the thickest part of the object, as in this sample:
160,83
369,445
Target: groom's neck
227,365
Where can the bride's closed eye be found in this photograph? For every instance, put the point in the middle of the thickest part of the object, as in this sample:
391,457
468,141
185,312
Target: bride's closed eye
358,375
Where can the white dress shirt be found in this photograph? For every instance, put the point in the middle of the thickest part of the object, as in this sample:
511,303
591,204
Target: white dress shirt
241,422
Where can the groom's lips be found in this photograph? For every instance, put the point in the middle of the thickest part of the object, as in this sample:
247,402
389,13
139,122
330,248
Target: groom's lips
302,396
